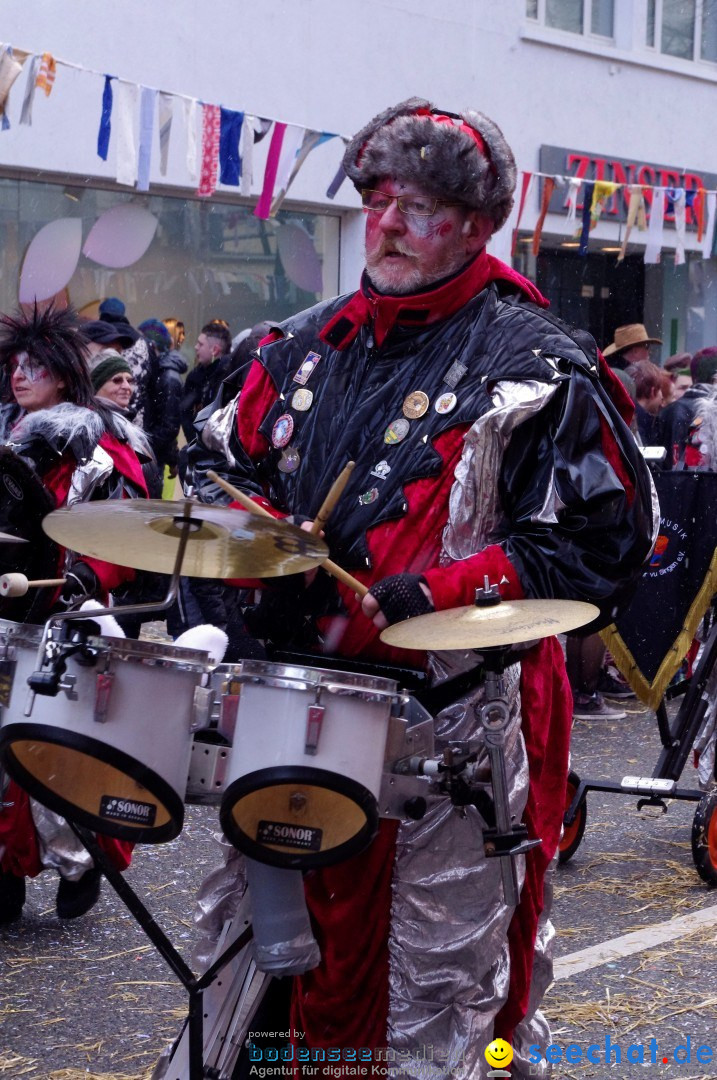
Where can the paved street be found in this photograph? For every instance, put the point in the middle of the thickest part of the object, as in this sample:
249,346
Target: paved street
92,998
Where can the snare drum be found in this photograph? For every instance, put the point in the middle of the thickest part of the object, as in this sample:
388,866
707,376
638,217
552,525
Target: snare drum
305,769
111,750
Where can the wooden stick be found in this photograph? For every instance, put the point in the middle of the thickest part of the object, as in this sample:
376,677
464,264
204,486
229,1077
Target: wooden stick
330,567
335,493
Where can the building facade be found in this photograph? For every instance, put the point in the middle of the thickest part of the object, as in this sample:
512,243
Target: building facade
599,90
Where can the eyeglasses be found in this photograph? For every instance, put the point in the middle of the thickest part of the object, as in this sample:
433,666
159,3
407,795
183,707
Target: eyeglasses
413,205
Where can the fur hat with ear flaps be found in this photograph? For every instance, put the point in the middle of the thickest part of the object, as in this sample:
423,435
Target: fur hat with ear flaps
464,160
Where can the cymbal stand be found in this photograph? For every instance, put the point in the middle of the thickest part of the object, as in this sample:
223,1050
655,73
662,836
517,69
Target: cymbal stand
506,840
48,679
193,984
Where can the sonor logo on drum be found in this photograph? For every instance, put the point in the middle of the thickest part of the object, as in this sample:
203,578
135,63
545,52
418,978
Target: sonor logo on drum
297,836
13,488
136,813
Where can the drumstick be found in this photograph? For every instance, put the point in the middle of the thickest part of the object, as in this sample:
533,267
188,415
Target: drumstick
330,567
335,493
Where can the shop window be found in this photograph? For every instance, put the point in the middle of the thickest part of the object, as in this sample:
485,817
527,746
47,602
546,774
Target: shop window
200,259
574,16
686,29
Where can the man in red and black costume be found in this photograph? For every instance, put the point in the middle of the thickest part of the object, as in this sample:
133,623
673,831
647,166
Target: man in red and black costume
58,446
490,442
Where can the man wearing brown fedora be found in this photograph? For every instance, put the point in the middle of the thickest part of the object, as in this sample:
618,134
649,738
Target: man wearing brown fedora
632,344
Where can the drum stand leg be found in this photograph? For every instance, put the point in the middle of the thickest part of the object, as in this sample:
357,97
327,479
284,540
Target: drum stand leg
195,986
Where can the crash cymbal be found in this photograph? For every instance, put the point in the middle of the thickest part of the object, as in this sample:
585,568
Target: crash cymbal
8,538
482,627
224,543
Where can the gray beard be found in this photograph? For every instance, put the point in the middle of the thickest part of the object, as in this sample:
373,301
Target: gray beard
413,280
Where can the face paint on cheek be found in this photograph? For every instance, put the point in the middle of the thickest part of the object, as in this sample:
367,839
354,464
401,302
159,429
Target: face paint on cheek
429,228
33,373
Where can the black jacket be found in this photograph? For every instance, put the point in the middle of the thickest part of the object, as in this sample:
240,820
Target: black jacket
200,388
163,405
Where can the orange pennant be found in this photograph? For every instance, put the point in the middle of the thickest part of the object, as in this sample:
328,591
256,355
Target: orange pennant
548,189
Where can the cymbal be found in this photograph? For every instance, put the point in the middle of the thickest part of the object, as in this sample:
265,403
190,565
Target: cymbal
8,538
506,623
223,543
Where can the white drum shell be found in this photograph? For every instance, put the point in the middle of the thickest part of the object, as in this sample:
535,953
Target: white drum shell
271,733
149,711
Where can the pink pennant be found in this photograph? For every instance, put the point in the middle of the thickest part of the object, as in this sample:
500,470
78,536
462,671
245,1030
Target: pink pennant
211,128
263,207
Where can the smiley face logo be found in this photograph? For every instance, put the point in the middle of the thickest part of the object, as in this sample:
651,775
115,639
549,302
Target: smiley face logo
499,1053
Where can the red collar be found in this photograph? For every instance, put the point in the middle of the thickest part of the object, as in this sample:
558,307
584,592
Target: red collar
420,309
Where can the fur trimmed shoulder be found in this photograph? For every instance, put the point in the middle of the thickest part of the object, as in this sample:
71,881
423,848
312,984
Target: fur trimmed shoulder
132,435
62,426
78,429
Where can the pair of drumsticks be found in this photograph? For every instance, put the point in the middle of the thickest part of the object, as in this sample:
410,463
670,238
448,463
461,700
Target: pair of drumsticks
320,520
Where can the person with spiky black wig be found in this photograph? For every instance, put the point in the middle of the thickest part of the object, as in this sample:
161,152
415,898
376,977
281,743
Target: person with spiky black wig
74,449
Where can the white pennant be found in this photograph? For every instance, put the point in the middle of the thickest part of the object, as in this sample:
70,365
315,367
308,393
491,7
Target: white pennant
653,247
574,188
293,138
191,112
166,106
678,202
251,125
708,238
124,125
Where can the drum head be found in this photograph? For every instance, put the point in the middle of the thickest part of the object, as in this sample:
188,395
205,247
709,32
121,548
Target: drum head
298,817
24,502
94,784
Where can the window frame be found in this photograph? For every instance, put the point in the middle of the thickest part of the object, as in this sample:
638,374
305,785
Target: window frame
586,32
656,49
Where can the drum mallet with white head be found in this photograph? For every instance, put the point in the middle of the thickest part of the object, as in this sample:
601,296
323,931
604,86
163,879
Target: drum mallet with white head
18,584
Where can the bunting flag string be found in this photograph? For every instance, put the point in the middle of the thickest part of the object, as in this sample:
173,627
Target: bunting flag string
289,148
